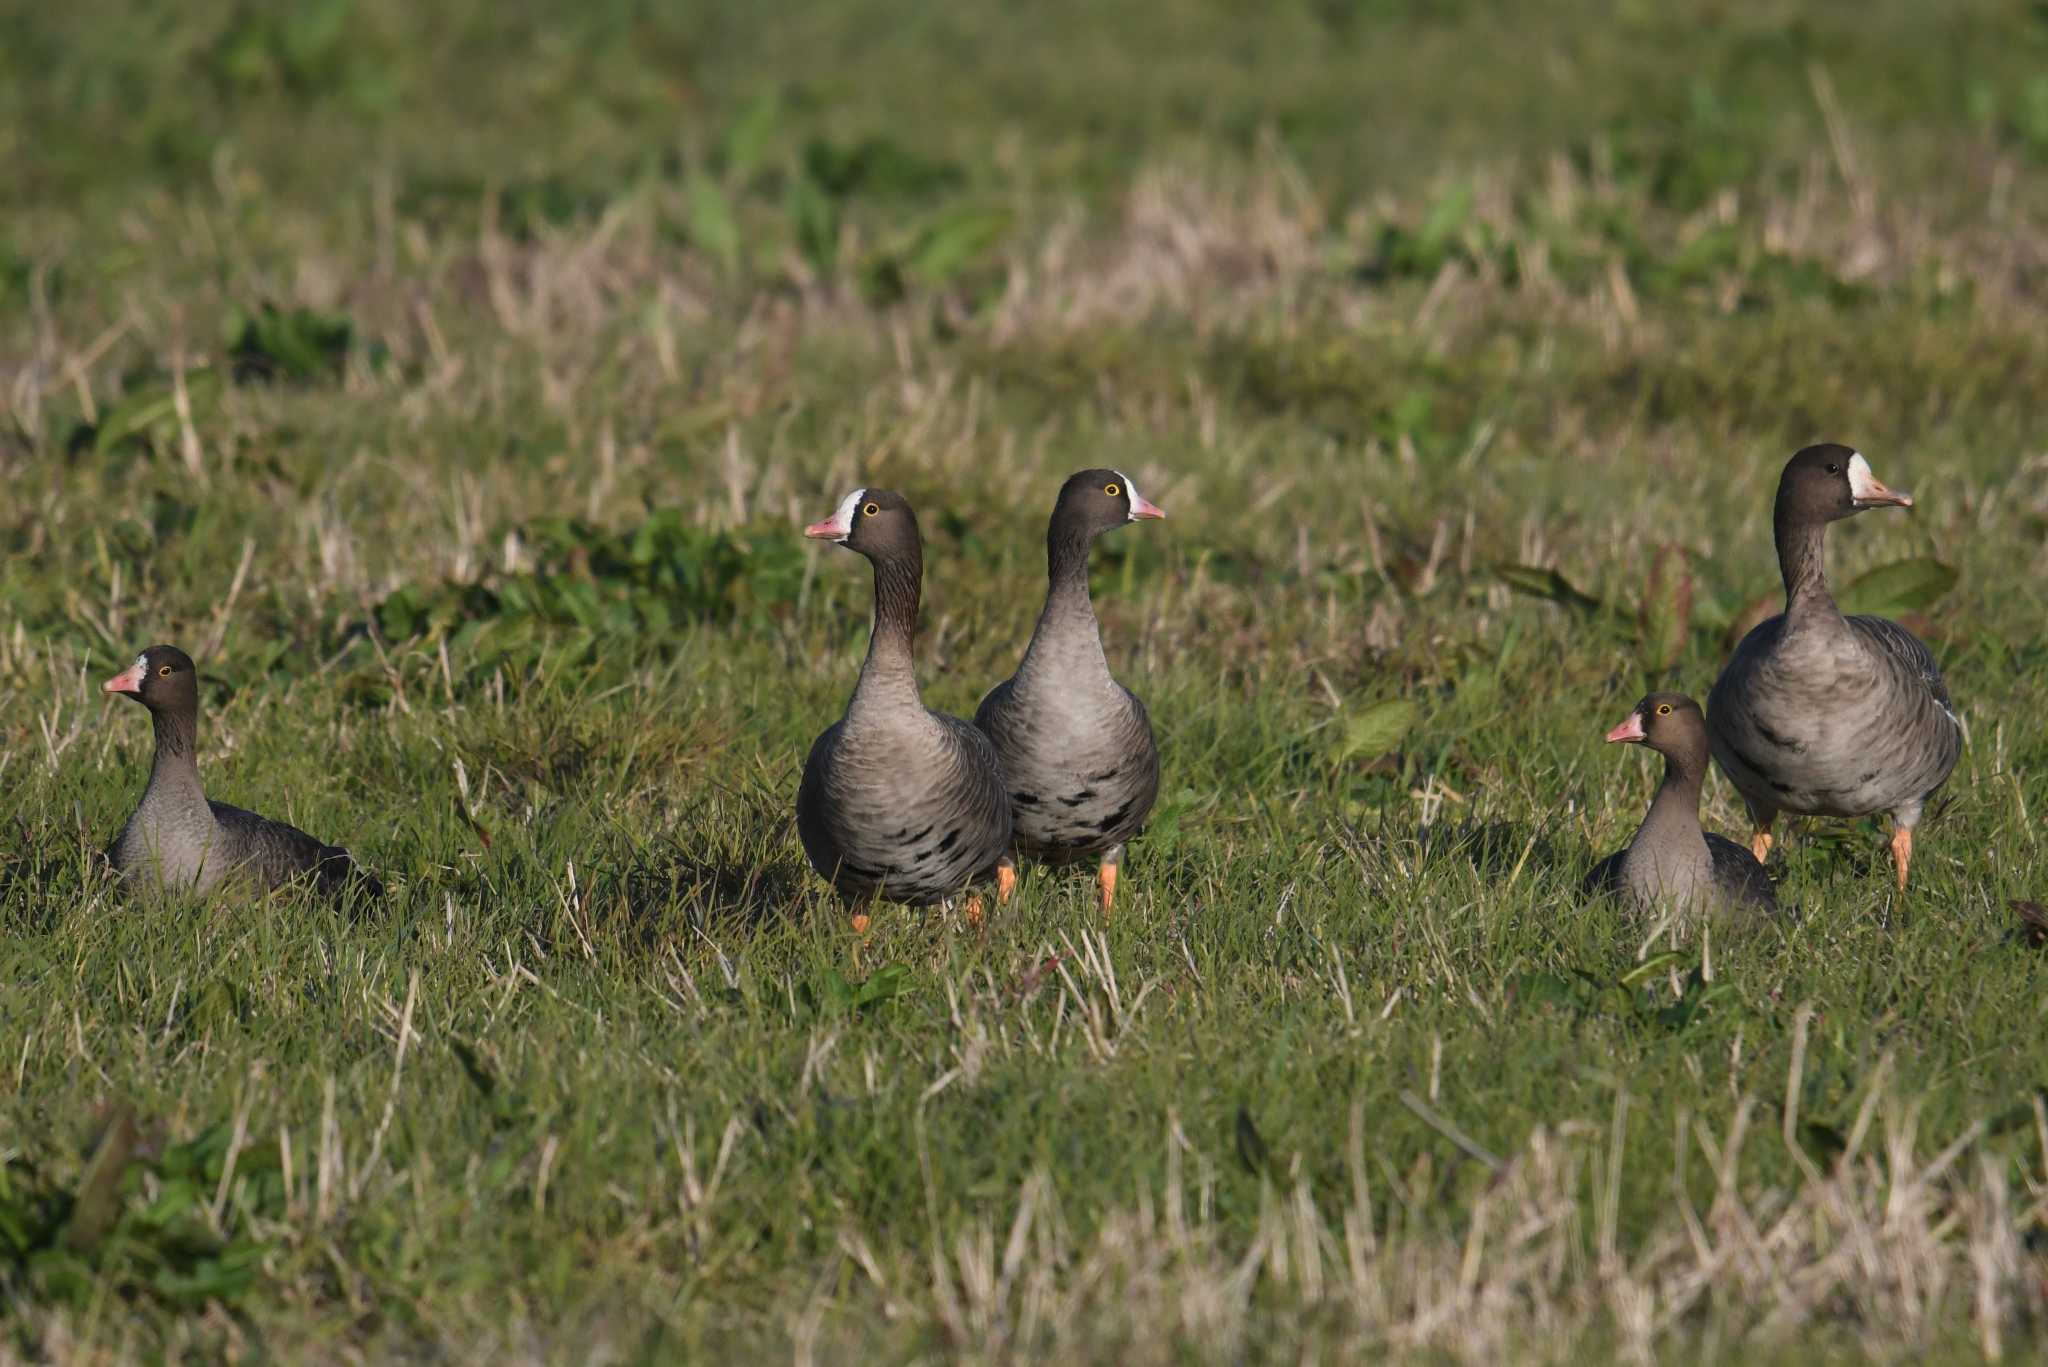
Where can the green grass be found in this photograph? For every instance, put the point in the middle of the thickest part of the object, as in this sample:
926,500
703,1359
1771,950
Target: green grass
455,387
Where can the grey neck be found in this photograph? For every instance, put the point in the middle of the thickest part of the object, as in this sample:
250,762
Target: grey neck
1675,811
1067,636
1803,562
889,677
175,770
1066,565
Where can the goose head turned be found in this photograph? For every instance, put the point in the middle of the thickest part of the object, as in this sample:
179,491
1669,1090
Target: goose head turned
1672,725
876,523
1821,484
164,680
1091,502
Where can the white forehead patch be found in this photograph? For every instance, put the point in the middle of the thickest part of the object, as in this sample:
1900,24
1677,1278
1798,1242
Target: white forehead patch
142,663
842,517
1862,483
1130,489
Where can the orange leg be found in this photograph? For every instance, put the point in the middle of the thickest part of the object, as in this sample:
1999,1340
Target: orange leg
1006,880
1760,843
1105,877
1902,852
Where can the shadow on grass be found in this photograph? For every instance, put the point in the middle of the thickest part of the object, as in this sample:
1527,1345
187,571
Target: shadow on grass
645,896
1396,853
46,873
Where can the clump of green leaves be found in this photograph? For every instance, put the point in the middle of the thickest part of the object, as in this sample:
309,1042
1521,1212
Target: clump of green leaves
1376,730
1548,584
311,50
141,1226
936,254
1901,586
145,418
1632,995
300,345
878,166
1444,235
829,993
648,580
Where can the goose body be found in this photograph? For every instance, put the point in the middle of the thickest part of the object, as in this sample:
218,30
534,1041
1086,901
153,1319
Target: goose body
1076,745
177,838
1836,717
896,800
1720,873
1821,714
901,808
1671,862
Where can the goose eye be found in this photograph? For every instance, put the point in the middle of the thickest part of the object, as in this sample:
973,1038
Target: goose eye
1834,469
1111,489
1663,709
869,510
163,671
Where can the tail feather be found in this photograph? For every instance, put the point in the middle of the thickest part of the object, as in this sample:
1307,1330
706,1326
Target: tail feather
339,876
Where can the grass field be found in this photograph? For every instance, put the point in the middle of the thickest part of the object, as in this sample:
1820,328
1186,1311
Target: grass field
453,381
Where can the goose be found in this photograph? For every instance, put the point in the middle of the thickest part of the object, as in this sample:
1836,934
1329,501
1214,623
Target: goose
1670,860
1075,744
1824,715
897,801
177,838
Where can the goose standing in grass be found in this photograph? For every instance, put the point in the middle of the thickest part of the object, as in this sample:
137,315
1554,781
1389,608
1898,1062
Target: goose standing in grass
177,838
897,801
1671,861
1075,744
1824,715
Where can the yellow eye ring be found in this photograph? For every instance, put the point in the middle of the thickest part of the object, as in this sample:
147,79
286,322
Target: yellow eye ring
1663,709
869,510
164,670
1111,489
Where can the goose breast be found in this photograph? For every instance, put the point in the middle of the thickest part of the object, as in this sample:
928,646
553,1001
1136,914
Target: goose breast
913,808
1835,720
1082,765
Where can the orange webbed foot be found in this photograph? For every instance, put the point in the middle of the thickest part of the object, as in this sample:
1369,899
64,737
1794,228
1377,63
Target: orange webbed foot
1902,853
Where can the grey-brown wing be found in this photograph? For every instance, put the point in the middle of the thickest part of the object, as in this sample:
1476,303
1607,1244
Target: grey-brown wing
1908,654
1144,791
277,854
994,704
1926,735
1603,877
813,831
1738,876
984,796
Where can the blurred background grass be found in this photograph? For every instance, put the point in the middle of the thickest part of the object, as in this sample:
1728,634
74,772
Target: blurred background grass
320,97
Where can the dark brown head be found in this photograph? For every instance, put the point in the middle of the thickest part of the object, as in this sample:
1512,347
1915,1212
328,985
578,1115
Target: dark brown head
1669,723
876,522
1829,482
162,679
1097,501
